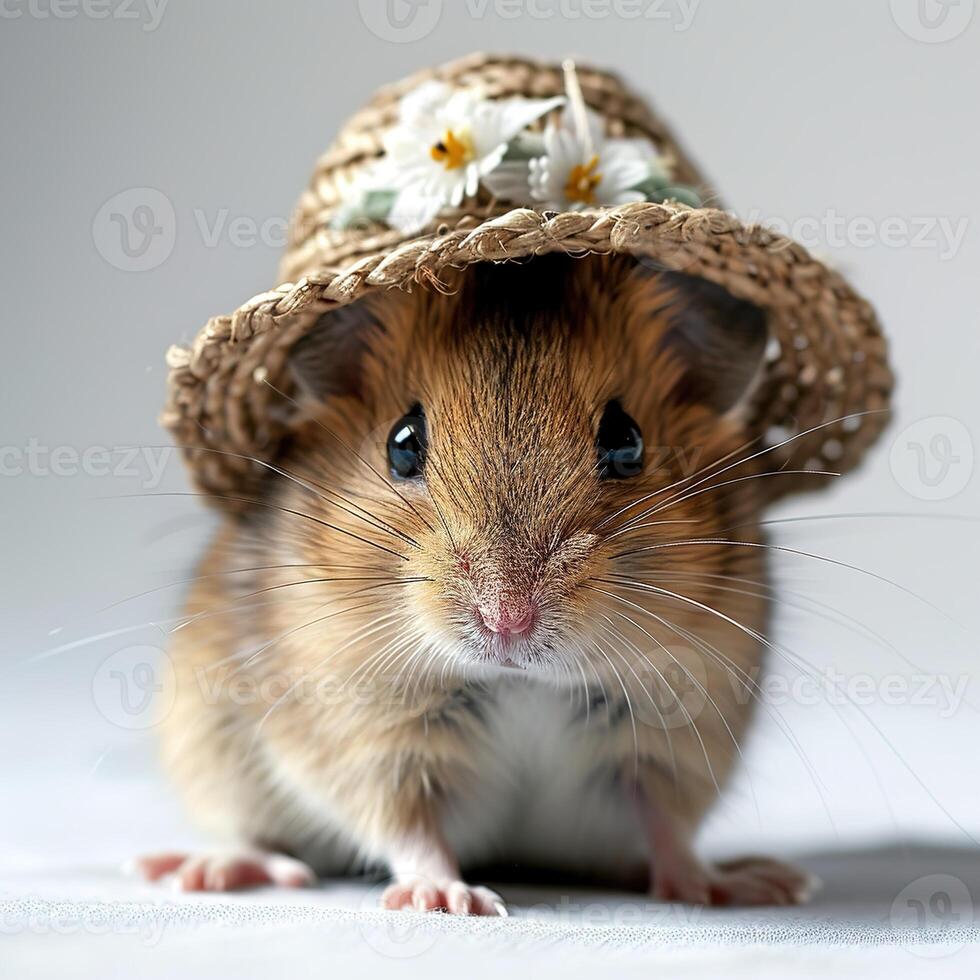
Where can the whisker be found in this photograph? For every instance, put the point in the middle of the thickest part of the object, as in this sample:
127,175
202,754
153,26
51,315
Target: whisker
356,455
398,647
230,571
629,708
795,659
687,714
702,690
267,646
784,727
95,638
791,551
246,659
769,593
761,452
313,487
751,687
237,603
359,637
910,515
378,659
674,501
266,504
660,715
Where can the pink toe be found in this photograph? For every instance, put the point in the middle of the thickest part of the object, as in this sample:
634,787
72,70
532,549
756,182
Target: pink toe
458,899
427,899
396,897
152,867
290,873
191,875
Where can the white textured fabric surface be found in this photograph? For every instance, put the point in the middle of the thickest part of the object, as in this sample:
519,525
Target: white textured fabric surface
66,909
95,923
82,794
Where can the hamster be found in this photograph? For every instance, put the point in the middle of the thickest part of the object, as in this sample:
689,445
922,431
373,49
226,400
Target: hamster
479,614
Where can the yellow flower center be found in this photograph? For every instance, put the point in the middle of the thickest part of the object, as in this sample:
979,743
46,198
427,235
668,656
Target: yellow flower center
582,182
454,150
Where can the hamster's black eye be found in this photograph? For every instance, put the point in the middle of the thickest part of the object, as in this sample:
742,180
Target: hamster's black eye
620,444
407,444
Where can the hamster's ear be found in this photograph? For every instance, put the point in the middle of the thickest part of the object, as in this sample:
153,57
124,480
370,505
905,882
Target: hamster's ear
327,361
719,341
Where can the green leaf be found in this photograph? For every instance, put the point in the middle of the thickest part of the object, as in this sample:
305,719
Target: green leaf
371,206
658,189
525,146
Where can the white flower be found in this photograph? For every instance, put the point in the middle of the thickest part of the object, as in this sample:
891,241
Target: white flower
582,169
445,142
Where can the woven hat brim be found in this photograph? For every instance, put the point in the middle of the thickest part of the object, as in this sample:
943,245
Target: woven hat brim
826,381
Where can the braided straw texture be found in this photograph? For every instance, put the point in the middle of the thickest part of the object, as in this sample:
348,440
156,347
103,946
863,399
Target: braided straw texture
314,244
229,393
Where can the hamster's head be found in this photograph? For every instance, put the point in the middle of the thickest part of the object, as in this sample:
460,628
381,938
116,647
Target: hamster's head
512,456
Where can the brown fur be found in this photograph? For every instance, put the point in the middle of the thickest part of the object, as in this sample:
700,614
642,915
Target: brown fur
511,501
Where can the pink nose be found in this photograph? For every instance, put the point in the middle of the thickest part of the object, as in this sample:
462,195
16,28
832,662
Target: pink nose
509,618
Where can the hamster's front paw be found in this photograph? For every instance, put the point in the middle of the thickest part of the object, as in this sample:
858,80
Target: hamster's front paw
223,871
456,897
747,881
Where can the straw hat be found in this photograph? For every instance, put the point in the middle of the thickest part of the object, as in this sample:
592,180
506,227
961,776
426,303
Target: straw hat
386,209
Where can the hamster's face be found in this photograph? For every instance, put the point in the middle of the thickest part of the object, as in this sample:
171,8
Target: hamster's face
529,457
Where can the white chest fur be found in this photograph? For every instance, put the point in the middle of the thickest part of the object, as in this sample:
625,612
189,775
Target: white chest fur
541,798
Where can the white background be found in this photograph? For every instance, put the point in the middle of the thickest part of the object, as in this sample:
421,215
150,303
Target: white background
813,115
